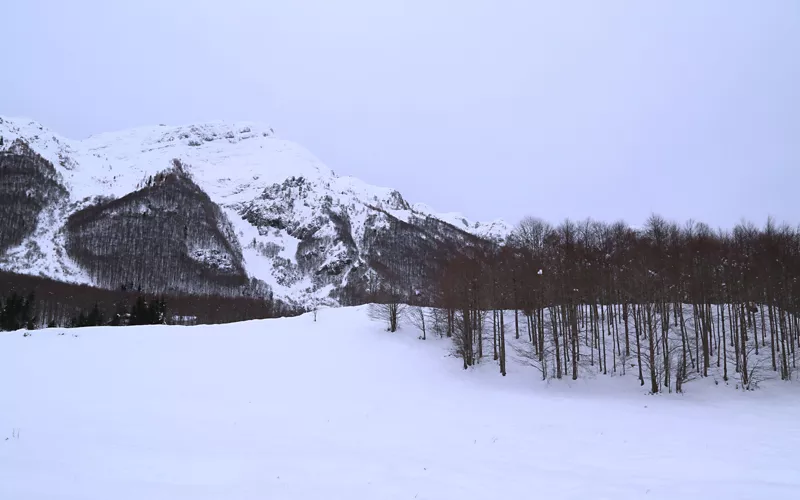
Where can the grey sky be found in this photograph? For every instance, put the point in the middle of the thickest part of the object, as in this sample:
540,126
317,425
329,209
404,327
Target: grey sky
492,108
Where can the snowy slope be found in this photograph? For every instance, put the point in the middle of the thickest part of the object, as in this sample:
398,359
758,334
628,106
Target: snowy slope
235,164
340,409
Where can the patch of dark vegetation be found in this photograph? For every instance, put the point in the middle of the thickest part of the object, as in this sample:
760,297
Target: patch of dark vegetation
28,183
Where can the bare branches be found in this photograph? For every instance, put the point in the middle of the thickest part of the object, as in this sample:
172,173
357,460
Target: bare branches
390,314
417,317
587,294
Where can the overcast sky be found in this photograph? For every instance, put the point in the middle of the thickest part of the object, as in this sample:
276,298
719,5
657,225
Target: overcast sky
496,109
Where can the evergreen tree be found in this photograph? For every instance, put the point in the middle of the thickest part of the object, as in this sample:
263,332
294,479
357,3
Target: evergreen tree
28,316
79,321
17,313
140,312
95,317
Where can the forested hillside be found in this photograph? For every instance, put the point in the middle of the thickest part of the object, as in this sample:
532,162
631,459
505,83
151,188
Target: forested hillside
167,237
28,183
406,257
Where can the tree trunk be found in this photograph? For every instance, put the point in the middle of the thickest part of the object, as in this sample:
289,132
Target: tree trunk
554,323
638,344
494,334
724,346
652,351
502,344
627,336
575,343
745,374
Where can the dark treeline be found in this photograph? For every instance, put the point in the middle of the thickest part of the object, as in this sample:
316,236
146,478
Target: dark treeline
37,302
142,312
667,303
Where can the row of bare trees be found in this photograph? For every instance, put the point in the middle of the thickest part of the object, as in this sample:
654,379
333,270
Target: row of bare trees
669,303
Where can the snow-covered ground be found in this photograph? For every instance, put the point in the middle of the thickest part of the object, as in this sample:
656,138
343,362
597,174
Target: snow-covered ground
340,409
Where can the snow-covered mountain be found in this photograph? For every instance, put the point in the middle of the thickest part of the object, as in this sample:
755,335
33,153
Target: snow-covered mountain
276,214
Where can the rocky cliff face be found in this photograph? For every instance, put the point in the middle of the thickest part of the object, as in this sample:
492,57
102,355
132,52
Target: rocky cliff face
245,213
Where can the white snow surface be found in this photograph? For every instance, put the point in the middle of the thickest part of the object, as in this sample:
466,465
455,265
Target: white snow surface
341,409
232,162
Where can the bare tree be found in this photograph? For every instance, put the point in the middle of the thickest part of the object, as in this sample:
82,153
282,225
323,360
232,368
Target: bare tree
314,307
389,313
416,315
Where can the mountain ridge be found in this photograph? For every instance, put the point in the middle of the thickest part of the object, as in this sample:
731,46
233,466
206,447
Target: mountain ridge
303,229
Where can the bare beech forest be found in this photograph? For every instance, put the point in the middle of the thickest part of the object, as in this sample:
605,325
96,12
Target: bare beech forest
665,303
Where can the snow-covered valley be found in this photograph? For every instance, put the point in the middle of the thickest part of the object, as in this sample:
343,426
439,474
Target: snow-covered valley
341,409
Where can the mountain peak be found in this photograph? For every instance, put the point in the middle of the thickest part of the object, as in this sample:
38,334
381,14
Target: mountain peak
301,228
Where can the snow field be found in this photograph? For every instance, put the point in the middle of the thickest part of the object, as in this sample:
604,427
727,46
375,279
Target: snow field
340,409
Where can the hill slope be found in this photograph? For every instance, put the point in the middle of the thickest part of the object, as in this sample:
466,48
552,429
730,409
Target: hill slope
338,408
300,228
